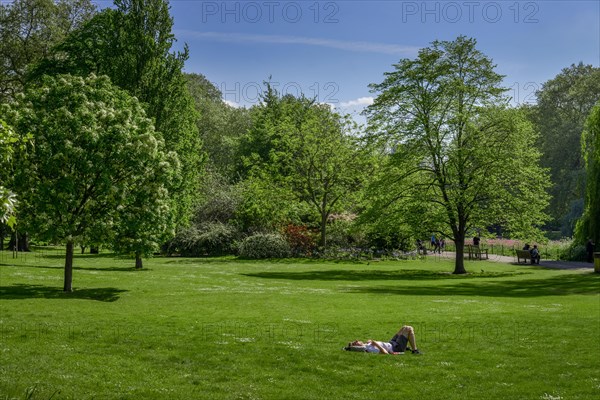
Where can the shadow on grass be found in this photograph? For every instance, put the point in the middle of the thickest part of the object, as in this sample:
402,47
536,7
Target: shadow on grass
236,260
60,255
105,269
564,285
22,292
376,275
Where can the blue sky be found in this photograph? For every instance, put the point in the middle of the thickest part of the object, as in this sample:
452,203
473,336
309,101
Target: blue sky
332,50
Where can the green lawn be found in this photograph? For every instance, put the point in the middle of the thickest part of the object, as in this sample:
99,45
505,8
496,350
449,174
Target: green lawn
229,329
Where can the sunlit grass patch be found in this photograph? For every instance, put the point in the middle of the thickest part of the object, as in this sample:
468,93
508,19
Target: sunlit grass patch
223,329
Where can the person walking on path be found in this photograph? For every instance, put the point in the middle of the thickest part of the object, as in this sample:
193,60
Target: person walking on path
589,248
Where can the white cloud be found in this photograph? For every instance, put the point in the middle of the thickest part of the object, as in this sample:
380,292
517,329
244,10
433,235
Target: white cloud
360,102
358,46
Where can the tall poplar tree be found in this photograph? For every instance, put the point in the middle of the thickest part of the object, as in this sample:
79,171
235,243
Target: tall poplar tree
29,29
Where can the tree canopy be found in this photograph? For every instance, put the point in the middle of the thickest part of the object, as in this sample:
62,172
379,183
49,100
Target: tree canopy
29,29
588,227
9,142
220,126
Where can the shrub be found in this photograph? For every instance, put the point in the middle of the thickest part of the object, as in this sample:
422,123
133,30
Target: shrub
263,245
575,252
220,200
300,239
389,240
210,239
338,234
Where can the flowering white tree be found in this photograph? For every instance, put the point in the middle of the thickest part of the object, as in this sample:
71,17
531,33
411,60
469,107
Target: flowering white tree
8,200
94,149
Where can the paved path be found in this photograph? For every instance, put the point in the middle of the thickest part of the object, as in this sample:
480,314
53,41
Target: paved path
574,265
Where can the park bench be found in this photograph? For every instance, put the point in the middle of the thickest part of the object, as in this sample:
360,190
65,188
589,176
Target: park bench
523,254
476,252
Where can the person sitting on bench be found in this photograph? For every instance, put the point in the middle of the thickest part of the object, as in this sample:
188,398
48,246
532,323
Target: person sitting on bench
535,255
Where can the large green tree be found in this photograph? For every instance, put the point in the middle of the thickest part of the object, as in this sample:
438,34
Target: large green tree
266,203
328,164
92,145
220,126
455,148
132,45
563,104
307,151
28,31
588,227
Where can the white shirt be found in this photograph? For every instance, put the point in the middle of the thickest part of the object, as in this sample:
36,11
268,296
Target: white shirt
387,346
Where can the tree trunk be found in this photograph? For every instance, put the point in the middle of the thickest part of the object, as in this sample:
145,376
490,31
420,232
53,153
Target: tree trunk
24,242
459,264
69,268
4,229
82,249
323,230
12,243
138,260
19,242
94,250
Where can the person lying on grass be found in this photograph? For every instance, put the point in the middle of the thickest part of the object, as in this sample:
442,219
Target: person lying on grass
396,345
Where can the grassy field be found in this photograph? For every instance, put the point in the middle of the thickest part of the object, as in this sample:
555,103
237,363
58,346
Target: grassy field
229,329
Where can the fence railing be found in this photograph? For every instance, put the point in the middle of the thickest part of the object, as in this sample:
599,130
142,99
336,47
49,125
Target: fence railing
547,253
36,254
